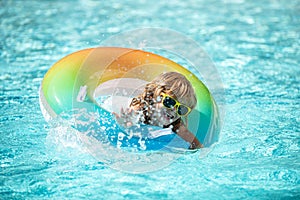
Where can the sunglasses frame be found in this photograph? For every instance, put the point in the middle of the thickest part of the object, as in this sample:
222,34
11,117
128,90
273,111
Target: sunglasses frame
164,95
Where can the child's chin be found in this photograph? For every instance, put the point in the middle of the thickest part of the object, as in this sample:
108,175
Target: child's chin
166,123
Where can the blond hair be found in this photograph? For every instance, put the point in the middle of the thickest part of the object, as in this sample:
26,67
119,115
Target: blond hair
172,83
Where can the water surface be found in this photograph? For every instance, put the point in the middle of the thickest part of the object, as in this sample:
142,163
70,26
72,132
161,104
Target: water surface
255,46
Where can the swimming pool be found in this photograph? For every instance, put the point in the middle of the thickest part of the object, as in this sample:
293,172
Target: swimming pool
255,47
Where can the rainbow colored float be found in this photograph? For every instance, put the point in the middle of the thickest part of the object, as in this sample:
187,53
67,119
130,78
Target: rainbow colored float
74,82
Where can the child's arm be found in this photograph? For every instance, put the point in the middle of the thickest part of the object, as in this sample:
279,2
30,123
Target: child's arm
185,134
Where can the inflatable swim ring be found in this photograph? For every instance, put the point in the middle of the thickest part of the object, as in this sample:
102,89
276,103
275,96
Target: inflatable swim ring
79,79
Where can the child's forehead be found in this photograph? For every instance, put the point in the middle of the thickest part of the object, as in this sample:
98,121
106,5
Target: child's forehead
169,93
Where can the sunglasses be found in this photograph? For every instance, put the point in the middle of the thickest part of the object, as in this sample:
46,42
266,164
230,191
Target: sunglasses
170,103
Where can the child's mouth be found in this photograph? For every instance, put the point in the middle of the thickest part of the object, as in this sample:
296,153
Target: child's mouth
169,115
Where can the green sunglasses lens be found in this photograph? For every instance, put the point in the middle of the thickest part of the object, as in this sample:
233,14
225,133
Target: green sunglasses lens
169,102
182,110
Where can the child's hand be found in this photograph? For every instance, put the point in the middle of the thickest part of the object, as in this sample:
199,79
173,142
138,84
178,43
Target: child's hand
127,118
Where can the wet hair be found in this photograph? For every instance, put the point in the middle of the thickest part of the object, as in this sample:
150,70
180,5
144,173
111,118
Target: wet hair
172,83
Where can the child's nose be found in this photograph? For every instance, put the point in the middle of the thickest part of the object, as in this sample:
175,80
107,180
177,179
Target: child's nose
174,108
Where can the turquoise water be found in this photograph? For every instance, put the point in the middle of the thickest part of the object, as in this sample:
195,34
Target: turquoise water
255,46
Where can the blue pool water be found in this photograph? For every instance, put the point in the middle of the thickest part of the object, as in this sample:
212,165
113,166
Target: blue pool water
255,47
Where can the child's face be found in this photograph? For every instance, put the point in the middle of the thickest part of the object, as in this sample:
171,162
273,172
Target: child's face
163,116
